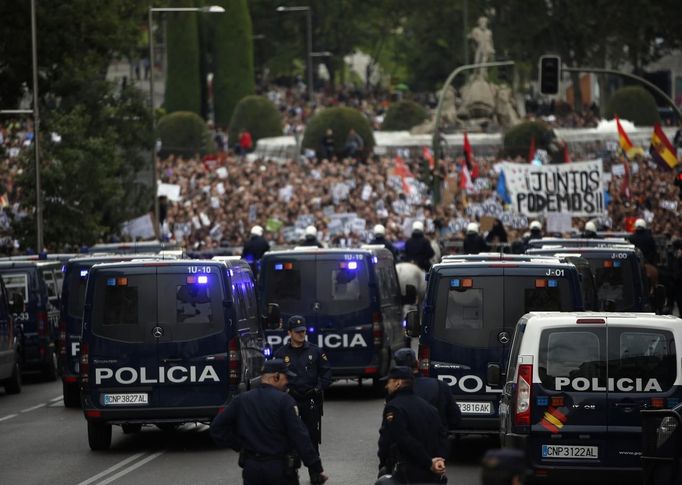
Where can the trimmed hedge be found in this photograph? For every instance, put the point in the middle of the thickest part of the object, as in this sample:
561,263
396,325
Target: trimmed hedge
517,139
340,120
633,103
183,81
404,115
185,134
258,115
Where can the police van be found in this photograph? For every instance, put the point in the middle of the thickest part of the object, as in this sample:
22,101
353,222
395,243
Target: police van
471,307
10,358
139,247
351,301
76,272
165,342
34,286
618,272
576,383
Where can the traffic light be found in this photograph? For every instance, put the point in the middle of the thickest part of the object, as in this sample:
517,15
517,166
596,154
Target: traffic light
678,179
550,75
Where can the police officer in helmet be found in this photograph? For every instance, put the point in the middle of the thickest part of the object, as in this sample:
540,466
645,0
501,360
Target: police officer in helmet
643,240
313,376
311,237
473,241
435,392
412,439
418,248
379,232
590,231
264,426
255,247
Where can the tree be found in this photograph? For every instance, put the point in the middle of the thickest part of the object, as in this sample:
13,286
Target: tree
232,58
183,80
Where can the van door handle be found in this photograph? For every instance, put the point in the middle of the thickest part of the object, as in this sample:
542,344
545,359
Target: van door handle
627,405
174,360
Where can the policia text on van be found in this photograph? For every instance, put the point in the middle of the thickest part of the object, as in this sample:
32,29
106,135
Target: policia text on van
165,342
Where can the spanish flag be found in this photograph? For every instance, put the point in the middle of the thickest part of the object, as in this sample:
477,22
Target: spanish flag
661,149
625,144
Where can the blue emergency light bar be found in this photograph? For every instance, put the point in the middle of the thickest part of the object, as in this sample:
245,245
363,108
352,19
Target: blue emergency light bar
552,283
84,273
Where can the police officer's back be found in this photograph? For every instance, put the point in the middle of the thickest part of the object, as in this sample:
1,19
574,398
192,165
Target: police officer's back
311,237
643,239
435,392
590,231
473,241
412,439
256,246
380,238
313,375
264,426
418,248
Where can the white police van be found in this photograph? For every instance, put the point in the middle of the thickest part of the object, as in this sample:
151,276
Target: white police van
576,383
166,342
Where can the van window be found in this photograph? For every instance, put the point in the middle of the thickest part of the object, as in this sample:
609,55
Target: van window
642,354
120,306
123,312
572,354
76,292
611,276
192,304
48,276
514,356
287,284
16,283
464,309
340,289
59,280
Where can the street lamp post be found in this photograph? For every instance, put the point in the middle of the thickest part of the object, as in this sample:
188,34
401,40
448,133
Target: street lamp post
309,40
36,132
150,39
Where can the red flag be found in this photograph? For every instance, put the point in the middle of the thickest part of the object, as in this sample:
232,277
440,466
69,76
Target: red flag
630,223
567,157
624,140
531,149
469,158
661,150
465,178
428,156
402,171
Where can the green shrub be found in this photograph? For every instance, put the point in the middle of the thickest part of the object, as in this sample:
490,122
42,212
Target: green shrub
258,115
633,103
183,82
404,115
185,134
518,138
340,120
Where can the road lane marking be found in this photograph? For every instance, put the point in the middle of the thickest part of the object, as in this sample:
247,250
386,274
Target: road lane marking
9,416
33,408
132,467
112,469
58,398
57,404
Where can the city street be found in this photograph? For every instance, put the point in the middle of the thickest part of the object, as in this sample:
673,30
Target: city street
44,443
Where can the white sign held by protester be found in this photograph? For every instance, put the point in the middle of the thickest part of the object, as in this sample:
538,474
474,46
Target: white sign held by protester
139,228
571,188
170,191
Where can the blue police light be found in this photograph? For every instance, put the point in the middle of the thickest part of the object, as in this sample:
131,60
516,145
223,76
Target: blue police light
375,260
279,267
454,283
404,323
111,282
267,351
202,280
352,265
617,264
552,283
311,329
84,273
63,268
543,401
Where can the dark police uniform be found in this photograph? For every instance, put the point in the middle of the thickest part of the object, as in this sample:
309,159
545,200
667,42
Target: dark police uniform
411,435
435,392
646,243
255,248
313,375
474,244
263,424
311,241
419,250
381,239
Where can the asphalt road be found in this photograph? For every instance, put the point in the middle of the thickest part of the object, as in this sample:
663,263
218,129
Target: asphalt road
41,442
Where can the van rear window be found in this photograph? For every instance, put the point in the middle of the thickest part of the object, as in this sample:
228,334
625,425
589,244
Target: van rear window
193,304
567,355
541,299
615,281
16,283
120,306
465,309
76,293
642,354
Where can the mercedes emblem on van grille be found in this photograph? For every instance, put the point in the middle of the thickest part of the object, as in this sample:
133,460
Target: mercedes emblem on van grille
503,337
157,332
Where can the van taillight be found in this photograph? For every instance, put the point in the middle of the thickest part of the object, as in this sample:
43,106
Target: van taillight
424,359
85,363
377,329
524,384
234,362
62,337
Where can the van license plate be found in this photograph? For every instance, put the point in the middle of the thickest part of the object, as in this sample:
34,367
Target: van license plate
475,407
125,399
572,452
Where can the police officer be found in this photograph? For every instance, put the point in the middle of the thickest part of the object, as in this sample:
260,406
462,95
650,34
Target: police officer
311,237
412,439
418,248
645,242
313,376
263,424
380,238
535,230
590,231
503,467
435,392
473,242
255,247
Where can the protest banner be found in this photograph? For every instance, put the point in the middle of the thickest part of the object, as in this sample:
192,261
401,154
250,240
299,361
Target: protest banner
574,188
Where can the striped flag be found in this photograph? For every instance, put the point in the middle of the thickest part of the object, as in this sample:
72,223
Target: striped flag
624,141
402,171
428,156
661,149
553,420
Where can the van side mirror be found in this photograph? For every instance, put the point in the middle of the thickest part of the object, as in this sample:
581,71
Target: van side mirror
412,327
410,296
659,298
494,374
273,316
17,305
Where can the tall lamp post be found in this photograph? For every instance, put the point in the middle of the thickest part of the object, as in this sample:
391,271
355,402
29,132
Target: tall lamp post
150,38
36,132
309,35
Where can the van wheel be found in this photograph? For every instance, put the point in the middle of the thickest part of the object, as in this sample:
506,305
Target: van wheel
51,371
131,428
72,398
99,436
13,384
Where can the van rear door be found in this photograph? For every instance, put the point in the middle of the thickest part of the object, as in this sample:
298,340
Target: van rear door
569,405
122,349
192,335
642,373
